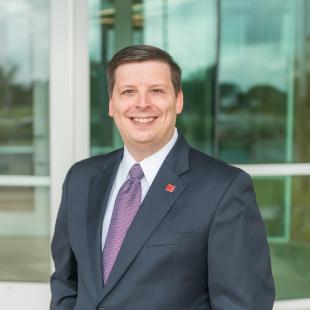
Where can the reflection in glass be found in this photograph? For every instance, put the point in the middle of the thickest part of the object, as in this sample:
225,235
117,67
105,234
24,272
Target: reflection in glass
24,234
24,88
101,42
24,137
16,199
285,205
301,96
274,205
263,110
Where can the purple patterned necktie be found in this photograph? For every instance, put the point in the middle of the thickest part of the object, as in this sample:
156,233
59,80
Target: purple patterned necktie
126,205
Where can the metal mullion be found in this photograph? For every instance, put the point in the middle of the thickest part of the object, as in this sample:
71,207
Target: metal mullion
24,181
297,304
302,169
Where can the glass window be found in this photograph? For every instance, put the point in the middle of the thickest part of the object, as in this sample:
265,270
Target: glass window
24,138
262,109
285,205
24,234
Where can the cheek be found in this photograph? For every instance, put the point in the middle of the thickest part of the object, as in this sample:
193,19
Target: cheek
117,110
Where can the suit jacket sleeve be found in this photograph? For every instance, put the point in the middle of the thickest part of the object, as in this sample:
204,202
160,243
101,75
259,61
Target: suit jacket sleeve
64,280
239,270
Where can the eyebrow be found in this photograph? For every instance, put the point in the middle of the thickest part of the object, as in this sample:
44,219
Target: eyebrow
125,86
133,86
158,85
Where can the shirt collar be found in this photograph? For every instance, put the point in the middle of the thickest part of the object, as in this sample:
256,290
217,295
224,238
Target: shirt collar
151,164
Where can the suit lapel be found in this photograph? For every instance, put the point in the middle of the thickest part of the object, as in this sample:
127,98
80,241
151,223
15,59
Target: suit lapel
99,192
154,207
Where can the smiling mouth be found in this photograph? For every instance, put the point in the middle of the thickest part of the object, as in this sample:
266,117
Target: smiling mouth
143,120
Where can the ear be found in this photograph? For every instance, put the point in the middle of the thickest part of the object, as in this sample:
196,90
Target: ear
111,110
179,102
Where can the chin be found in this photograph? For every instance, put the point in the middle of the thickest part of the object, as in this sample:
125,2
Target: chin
142,140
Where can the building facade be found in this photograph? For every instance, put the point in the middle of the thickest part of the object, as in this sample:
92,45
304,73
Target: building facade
246,81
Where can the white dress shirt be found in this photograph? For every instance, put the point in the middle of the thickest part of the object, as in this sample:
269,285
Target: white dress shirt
150,167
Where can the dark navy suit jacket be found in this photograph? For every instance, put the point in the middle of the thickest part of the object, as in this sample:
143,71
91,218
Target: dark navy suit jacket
201,246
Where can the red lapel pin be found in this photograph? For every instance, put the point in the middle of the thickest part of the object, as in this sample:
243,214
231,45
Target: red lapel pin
170,188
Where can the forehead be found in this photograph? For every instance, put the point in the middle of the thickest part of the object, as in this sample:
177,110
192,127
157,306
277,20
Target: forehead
151,71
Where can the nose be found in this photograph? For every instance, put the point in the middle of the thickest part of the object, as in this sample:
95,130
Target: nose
142,101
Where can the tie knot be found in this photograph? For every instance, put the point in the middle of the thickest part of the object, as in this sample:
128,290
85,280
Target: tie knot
136,172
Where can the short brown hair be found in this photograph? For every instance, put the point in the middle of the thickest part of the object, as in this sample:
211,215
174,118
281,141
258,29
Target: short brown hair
139,53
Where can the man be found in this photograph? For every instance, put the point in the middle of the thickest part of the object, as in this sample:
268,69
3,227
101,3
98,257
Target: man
157,225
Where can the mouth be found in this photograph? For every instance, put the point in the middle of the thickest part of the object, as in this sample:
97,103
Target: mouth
143,120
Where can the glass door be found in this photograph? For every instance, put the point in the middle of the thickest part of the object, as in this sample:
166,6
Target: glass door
24,141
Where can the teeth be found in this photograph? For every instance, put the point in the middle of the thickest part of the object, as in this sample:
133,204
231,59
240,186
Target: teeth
143,120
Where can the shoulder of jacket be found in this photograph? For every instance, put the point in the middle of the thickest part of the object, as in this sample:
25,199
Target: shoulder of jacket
94,163
212,166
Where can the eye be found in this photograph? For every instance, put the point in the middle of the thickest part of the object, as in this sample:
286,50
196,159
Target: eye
127,92
157,90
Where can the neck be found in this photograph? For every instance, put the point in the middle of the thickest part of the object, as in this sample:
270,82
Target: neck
141,151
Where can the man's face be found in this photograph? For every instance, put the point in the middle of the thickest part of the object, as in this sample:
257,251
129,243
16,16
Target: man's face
144,105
